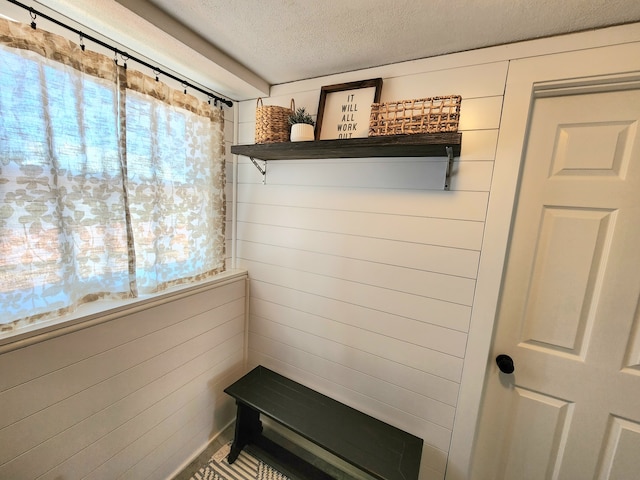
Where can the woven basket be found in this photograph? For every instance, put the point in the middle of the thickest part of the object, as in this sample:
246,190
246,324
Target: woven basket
422,115
272,122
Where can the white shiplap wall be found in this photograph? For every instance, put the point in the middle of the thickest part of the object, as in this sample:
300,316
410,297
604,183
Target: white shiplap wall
134,397
363,271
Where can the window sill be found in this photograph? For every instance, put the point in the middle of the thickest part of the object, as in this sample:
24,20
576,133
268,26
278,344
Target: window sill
102,311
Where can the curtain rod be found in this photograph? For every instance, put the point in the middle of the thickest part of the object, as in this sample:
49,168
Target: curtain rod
125,56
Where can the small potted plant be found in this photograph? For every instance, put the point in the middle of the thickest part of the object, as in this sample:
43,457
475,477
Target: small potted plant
301,126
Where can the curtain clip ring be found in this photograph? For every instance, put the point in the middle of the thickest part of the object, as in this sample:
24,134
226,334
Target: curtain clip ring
33,18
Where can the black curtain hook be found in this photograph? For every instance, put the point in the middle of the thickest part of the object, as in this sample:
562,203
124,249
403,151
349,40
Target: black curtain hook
33,18
81,42
157,74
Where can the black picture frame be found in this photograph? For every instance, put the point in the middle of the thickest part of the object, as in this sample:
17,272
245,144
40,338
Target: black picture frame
345,108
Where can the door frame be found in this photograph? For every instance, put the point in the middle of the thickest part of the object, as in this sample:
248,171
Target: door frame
526,79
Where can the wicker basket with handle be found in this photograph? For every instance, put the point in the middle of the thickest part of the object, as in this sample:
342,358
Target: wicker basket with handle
421,115
272,122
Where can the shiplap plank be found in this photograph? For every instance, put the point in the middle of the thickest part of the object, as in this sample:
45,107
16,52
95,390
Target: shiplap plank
25,364
228,128
109,453
344,294
172,453
433,231
438,338
470,206
471,176
335,349
410,280
199,408
137,411
438,417
164,461
20,436
247,131
284,343
444,365
404,353
452,261
479,145
26,399
442,338
488,80
179,448
432,456
480,114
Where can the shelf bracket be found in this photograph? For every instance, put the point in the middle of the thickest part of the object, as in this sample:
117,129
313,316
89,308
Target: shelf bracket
263,169
447,178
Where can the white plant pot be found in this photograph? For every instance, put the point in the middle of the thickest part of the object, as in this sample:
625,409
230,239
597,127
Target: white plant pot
302,132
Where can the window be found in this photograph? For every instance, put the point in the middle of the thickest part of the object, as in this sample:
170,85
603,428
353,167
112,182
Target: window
111,183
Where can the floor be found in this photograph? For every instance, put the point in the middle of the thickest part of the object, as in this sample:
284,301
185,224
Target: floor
202,459
332,466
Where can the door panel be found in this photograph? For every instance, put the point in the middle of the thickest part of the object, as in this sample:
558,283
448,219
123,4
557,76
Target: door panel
621,449
569,305
593,149
566,266
541,416
632,360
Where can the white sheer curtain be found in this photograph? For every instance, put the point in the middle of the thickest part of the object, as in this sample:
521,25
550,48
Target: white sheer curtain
176,191
110,182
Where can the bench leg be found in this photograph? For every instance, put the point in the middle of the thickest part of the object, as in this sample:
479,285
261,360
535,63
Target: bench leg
248,427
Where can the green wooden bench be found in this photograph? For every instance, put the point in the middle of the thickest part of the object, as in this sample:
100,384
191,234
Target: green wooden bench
377,448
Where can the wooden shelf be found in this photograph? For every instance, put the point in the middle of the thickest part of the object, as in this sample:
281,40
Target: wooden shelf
418,145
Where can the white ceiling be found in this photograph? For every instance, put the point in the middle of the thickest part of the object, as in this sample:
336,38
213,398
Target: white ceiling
287,40
239,48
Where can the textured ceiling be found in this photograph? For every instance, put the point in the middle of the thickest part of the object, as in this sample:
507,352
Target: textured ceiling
239,48
287,40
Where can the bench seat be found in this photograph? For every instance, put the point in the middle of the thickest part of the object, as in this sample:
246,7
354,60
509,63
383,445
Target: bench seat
377,448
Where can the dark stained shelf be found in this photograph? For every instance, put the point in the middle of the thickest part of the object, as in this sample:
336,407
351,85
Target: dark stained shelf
417,145
414,145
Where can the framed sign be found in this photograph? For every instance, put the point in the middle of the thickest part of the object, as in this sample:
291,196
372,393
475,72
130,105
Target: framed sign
345,108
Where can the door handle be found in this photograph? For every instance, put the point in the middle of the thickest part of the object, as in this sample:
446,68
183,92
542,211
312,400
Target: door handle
505,363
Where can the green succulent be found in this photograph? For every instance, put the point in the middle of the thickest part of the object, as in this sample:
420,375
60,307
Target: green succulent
301,116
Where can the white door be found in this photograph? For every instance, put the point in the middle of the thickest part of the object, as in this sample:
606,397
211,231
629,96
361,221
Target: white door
569,313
